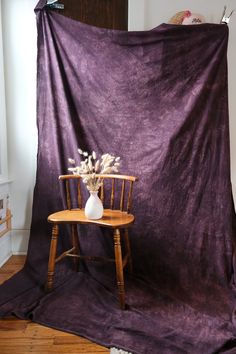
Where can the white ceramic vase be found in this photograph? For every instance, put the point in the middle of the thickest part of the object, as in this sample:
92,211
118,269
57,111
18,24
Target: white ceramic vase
93,207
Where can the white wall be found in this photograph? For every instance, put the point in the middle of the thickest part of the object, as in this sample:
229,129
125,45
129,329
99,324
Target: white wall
19,45
5,241
156,12
19,39
3,137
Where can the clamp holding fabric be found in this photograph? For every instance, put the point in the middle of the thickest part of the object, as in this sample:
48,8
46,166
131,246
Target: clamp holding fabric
225,19
54,4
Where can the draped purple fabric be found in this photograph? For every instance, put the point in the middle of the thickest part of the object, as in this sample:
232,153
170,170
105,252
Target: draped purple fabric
158,99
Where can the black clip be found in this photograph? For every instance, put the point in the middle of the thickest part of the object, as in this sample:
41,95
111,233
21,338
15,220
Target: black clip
54,4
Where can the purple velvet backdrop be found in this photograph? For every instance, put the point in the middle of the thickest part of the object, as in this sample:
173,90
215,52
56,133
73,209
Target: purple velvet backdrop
158,99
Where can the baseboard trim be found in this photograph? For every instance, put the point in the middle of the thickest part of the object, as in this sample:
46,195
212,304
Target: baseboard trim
19,253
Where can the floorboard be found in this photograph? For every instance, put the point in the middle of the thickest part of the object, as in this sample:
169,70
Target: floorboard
24,337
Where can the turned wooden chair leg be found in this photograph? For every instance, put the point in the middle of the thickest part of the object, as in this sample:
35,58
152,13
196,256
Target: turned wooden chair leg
128,250
52,257
119,268
75,243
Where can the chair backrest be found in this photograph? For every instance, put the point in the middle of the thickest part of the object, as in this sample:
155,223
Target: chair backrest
113,192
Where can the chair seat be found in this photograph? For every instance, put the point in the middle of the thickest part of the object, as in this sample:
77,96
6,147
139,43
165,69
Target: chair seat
111,218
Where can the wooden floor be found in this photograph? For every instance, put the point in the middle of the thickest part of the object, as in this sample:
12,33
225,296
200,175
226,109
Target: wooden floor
24,337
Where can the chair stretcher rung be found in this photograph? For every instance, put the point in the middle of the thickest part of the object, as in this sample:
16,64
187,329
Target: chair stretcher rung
125,260
64,254
92,258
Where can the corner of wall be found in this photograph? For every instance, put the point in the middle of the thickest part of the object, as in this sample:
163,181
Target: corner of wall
19,241
5,246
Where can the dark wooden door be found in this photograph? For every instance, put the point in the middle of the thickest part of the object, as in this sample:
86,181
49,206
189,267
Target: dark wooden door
100,13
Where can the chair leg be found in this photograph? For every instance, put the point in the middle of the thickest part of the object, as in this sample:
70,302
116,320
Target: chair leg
52,257
75,243
128,250
119,268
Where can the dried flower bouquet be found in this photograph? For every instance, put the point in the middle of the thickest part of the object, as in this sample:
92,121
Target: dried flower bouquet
91,167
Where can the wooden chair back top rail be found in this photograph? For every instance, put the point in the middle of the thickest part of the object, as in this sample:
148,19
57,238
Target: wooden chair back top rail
128,178
122,196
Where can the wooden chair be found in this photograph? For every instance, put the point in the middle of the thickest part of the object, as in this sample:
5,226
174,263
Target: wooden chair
115,218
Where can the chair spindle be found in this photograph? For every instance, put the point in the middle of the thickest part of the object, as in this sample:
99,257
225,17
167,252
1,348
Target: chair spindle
130,196
112,193
122,196
79,195
102,191
68,199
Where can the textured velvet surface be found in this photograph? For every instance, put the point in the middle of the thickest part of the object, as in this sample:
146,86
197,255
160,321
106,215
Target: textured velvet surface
158,99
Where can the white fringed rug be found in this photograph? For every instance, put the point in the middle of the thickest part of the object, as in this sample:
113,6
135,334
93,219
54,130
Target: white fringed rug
118,351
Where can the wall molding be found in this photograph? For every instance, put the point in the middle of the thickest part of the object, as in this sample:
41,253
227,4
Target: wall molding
5,181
